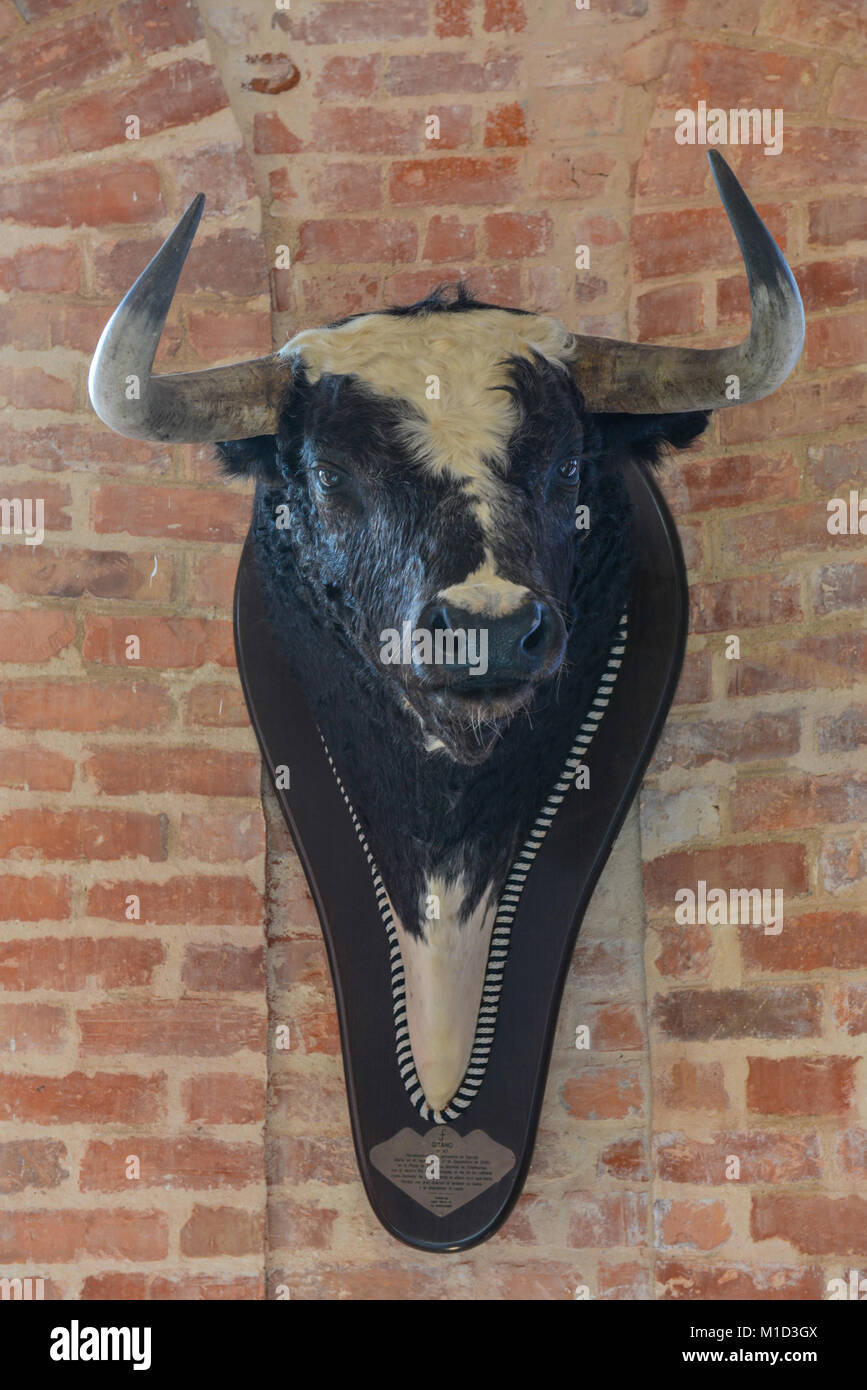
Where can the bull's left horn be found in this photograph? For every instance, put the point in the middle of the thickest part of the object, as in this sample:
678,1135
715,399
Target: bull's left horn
235,402
638,378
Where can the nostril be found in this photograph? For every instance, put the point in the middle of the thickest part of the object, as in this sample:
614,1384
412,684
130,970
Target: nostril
436,619
537,634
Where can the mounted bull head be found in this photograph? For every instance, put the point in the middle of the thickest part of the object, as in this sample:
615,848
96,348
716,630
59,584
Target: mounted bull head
440,511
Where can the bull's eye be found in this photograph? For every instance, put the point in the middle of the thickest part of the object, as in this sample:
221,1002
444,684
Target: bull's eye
329,479
568,471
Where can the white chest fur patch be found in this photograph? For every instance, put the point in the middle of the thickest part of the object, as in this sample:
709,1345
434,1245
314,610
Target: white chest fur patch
449,367
412,974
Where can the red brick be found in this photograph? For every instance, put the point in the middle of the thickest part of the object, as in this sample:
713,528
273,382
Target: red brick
299,1225
56,447
834,221
764,1158
216,837
562,175
32,768
795,409
629,1281
349,188
695,679
31,1163
707,484
58,59
419,74
348,77
800,1085
224,967
625,1159
769,1011
62,1236
768,865
728,1281
671,243
843,862
736,77
32,1028
518,234
836,342
29,705
46,269
63,963
702,1225
780,534
212,580
669,312
225,170
852,1150
366,130
138,1288
819,22
692,1086
82,835
506,126
31,388
34,899
814,1225
791,803
154,27
94,195
667,170
807,663
607,1220
193,901
230,262
493,285
341,239
330,296
836,467
832,284
164,642
224,337
504,15
189,1162
184,1028
295,1160
685,952
272,136
313,1103
29,141
73,573
224,1099
453,19
604,1093
200,771
454,179
75,1098
32,635
216,707
810,941
175,95
449,239
850,1010
180,514
838,587
842,733
733,604
344,21
222,1231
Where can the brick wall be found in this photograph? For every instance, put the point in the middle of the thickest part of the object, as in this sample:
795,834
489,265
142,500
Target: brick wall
124,1036
555,129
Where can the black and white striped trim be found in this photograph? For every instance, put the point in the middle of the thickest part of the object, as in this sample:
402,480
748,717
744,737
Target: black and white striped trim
508,906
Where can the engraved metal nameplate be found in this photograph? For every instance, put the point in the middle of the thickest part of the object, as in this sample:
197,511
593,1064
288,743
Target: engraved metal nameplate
441,1169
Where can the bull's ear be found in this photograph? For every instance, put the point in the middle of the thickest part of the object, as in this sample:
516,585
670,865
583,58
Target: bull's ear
648,436
250,458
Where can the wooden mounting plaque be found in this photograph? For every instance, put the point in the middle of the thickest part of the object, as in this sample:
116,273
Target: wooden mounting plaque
482,1158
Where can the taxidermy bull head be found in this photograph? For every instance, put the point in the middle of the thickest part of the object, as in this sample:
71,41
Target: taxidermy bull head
443,539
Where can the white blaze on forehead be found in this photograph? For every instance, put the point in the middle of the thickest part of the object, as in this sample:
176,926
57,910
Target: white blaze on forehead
445,973
397,355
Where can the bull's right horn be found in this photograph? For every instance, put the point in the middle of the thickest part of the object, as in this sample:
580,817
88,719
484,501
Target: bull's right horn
235,402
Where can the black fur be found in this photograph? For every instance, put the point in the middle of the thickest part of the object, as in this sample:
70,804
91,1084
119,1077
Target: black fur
340,573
